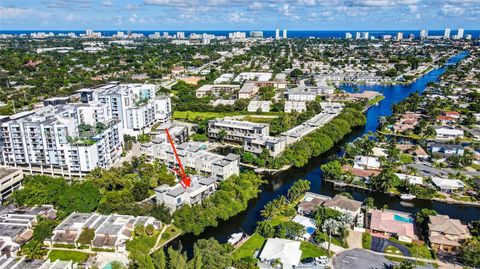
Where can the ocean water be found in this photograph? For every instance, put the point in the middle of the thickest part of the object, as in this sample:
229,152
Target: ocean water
266,33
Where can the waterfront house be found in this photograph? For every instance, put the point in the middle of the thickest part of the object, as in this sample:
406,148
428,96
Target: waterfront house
308,223
276,249
393,223
344,205
445,120
446,234
414,180
448,185
363,174
365,162
309,203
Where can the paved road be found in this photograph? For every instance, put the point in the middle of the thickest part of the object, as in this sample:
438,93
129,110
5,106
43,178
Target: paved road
425,170
364,259
360,259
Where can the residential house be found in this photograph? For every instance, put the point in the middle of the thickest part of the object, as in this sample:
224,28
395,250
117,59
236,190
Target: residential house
448,133
393,223
414,150
344,205
446,234
286,251
446,149
414,180
308,223
365,162
448,185
310,202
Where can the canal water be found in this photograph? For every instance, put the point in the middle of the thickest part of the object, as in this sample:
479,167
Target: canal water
279,183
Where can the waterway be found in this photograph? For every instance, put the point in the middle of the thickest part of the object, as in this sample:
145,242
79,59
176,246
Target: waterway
279,183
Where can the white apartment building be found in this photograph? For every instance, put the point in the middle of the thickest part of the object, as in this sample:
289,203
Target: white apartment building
236,131
215,90
274,145
303,93
137,106
298,106
68,140
195,155
263,106
176,196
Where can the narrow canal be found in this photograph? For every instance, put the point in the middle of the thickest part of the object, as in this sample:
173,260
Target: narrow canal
279,183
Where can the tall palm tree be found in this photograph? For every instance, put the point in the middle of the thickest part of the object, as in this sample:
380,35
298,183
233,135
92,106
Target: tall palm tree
331,226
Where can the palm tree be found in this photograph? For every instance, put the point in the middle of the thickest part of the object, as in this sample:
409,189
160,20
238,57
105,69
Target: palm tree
331,226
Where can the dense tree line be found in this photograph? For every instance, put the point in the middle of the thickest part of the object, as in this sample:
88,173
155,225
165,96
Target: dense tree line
321,140
231,198
116,190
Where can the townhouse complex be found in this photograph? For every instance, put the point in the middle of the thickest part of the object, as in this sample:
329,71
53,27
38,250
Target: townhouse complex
72,138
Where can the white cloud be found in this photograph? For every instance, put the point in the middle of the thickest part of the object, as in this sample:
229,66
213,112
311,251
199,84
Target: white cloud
14,13
239,17
107,3
307,2
255,6
451,10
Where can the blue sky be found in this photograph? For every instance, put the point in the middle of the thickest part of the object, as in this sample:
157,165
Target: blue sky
238,14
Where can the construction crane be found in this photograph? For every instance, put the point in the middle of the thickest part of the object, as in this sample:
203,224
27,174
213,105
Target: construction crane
184,178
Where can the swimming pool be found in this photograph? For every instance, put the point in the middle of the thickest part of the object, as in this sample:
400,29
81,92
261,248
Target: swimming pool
402,219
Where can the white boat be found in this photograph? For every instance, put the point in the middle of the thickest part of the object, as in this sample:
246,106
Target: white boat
405,196
235,238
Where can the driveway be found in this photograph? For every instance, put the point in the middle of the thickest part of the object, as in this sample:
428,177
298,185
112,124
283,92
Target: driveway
354,239
379,244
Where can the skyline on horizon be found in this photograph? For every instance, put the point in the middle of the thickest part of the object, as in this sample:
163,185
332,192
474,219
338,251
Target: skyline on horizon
228,15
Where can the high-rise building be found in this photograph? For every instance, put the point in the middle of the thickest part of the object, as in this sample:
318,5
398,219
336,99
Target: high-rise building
89,32
460,33
468,37
348,36
447,33
284,33
365,35
277,34
399,36
358,35
411,36
424,33
180,35
256,34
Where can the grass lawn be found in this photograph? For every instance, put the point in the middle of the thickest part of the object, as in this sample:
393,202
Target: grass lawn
366,240
335,241
421,250
191,116
258,119
199,116
439,196
310,250
276,221
170,232
376,100
405,158
392,250
462,198
67,255
248,248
